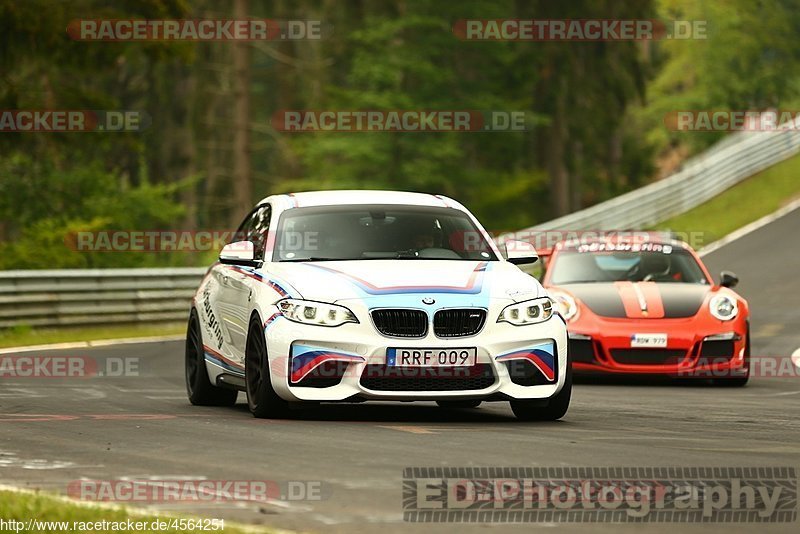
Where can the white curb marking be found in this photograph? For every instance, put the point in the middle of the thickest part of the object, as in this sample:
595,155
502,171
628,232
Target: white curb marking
87,344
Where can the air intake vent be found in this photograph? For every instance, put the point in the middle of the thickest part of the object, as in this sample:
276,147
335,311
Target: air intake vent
401,322
458,322
648,356
379,377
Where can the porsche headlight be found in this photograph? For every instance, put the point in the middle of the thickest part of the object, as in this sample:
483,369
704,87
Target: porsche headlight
527,312
316,313
565,304
723,307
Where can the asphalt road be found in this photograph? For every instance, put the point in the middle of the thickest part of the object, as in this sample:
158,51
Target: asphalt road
54,431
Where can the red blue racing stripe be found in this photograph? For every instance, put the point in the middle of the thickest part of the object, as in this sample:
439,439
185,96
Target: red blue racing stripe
218,359
542,356
473,286
305,359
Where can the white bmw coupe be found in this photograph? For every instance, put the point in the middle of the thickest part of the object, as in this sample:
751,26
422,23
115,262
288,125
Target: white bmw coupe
347,296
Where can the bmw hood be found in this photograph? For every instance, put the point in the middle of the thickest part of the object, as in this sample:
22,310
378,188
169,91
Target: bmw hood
640,300
463,282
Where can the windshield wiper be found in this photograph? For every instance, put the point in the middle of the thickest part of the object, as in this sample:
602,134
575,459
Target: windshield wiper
399,255
315,258
406,255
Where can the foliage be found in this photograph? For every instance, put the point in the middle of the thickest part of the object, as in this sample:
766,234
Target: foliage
48,207
594,111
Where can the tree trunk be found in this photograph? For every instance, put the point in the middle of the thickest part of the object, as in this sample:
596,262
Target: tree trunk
576,176
556,168
615,160
181,143
242,172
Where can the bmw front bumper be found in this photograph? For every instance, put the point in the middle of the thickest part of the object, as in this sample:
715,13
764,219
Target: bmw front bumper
350,362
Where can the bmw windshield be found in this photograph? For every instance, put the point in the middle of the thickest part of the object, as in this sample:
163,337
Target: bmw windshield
367,232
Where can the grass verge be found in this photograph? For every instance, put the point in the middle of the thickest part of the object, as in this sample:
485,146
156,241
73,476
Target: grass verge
742,204
20,336
23,507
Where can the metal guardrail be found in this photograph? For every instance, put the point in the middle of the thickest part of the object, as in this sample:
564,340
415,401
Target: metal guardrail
727,163
116,296
96,296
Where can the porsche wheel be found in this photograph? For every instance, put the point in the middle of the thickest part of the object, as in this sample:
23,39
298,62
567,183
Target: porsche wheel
198,387
261,397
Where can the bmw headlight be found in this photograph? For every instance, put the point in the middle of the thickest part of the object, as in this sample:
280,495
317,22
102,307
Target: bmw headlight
723,307
527,312
316,313
565,303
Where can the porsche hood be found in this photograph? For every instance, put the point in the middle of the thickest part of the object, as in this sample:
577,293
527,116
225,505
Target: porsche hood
641,300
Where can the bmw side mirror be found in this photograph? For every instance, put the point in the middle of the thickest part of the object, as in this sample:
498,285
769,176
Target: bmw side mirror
239,253
520,252
728,279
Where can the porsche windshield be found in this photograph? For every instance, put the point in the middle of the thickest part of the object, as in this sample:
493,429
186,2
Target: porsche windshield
675,265
367,232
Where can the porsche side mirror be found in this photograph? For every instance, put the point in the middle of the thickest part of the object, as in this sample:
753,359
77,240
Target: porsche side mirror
520,252
239,253
728,279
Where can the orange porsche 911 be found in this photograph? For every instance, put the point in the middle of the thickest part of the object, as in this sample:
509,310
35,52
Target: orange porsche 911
648,306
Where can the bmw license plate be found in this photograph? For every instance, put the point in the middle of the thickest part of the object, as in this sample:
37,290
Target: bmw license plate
649,341
461,357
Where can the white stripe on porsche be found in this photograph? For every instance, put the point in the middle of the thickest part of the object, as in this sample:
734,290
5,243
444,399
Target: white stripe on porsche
640,297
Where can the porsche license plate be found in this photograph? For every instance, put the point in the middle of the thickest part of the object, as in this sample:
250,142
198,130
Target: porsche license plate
461,357
649,341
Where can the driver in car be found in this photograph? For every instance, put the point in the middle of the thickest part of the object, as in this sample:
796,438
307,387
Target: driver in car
423,240
654,267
